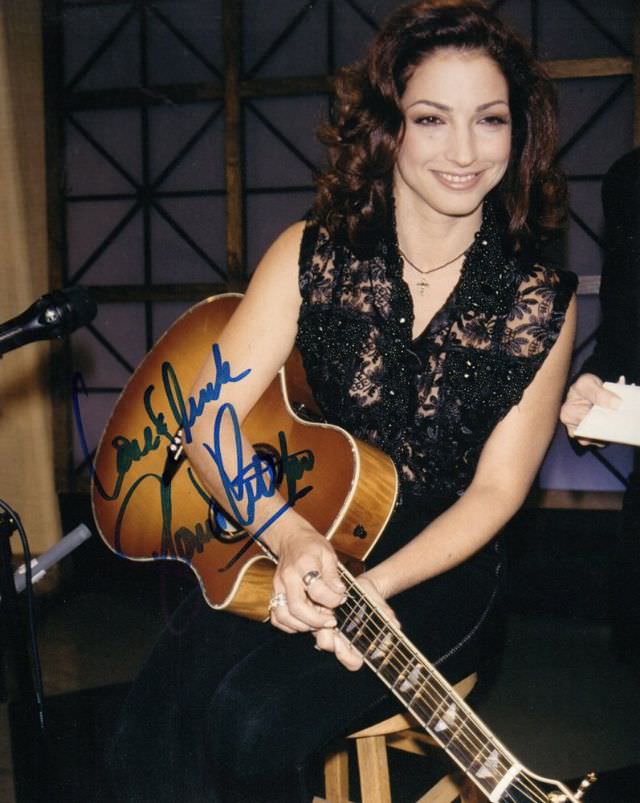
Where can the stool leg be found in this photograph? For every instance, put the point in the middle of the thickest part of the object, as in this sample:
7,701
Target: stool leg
374,769
336,777
454,787
445,791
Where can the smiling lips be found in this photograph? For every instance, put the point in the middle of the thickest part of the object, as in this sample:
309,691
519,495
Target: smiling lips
456,181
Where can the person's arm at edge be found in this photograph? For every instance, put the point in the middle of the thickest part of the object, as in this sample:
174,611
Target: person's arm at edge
586,391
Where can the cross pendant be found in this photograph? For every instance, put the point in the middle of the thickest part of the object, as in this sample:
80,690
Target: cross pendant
421,286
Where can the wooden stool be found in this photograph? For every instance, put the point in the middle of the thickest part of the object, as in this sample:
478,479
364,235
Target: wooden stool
371,746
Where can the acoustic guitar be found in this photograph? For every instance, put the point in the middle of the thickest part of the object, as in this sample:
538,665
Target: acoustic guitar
149,505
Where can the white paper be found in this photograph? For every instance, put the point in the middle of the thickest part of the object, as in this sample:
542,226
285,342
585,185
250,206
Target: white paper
615,426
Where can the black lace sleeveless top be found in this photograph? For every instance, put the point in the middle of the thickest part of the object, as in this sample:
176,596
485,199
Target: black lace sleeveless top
429,403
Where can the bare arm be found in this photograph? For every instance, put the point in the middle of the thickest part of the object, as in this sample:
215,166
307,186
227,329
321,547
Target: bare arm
259,337
507,467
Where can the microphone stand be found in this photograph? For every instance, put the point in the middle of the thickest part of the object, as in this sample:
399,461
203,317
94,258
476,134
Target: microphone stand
17,684
53,315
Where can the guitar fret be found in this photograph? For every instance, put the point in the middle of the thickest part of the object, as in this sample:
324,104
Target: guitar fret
425,693
375,641
428,696
380,650
354,624
421,679
433,716
492,770
453,740
459,735
461,742
408,679
388,668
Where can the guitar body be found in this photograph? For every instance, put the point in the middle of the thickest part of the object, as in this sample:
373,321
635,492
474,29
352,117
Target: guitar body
149,505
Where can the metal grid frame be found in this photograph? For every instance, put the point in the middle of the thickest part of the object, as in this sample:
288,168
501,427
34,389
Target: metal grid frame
231,92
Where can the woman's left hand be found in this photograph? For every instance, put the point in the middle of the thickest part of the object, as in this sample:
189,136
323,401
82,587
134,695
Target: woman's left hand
331,640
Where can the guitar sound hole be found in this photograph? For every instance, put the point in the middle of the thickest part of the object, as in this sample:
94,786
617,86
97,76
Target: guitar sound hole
223,526
271,456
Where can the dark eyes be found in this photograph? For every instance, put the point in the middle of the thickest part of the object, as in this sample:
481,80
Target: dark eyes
493,120
429,119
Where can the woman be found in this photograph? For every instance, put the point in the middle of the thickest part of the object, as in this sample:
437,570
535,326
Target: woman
427,328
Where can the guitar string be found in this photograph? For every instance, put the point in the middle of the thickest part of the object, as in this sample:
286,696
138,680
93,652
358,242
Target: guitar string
527,788
474,746
525,785
466,741
530,790
478,747
392,660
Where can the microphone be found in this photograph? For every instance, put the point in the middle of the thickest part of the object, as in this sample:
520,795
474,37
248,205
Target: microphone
40,566
53,315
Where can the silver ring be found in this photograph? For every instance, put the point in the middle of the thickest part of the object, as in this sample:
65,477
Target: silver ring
310,577
277,601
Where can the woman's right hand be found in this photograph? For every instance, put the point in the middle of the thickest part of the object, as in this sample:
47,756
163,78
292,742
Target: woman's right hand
586,391
306,584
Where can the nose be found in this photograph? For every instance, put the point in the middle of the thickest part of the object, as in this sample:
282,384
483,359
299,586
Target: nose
461,146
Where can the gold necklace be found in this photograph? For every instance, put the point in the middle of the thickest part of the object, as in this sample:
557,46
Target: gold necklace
422,284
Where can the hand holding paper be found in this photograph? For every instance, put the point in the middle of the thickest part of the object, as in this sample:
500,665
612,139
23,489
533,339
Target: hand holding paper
621,425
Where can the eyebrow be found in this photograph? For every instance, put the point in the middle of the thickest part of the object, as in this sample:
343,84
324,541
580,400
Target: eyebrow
442,107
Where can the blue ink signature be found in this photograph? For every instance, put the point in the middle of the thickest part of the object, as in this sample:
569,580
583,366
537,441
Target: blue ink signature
211,392
257,480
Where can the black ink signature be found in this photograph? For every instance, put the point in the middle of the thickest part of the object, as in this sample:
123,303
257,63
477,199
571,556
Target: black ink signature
185,413
248,484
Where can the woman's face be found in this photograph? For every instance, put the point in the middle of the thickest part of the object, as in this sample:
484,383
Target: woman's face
456,141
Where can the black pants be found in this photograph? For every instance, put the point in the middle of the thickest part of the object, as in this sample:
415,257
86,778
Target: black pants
231,710
626,572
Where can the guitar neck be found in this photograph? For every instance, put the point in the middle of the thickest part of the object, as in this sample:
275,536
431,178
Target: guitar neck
431,700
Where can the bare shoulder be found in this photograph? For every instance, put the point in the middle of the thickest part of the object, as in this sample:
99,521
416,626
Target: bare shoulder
274,284
278,268
262,331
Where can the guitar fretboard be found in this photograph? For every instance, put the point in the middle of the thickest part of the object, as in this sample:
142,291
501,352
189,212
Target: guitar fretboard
426,694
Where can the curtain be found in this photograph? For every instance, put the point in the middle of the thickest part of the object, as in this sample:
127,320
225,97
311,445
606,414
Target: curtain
26,438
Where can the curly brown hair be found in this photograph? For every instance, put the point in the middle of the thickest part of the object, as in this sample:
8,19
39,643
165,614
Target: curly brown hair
363,141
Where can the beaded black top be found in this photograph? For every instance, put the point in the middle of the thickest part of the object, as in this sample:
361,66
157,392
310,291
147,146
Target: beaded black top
429,403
